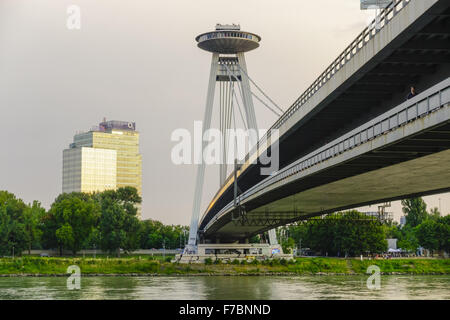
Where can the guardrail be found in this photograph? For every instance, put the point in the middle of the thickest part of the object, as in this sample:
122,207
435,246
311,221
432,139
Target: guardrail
427,102
360,41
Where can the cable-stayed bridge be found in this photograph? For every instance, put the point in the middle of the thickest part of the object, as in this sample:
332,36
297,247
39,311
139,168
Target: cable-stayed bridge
352,138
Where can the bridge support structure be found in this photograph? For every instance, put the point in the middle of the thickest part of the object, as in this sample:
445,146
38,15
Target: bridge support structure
229,73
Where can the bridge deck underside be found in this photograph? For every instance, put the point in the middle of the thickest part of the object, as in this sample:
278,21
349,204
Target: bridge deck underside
369,85
415,165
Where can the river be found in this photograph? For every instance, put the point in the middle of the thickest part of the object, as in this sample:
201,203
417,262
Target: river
226,287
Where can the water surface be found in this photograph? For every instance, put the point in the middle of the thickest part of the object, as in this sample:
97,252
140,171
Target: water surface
227,287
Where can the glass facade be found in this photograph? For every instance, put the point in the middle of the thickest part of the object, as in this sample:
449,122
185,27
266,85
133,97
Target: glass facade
117,137
89,169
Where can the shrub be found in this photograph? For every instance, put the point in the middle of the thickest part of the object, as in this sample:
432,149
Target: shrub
208,261
235,261
275,262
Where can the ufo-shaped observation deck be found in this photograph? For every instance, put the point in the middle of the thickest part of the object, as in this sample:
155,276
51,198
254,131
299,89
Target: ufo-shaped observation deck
228,40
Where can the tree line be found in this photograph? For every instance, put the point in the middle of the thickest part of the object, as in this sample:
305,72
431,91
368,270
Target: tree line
104,220
426,229
353,233
107,221
345,234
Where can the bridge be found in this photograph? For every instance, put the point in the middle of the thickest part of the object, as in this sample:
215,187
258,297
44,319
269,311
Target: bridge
351,139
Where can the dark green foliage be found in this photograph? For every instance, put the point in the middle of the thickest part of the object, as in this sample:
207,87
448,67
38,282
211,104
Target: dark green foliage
443,233
350,233
105,220
254,262
119,226
287,245
71,220
415,210
14,237
108,221
407,239
434,234
154,234
427,235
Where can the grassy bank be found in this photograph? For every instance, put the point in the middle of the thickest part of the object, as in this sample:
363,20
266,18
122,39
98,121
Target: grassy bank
148,265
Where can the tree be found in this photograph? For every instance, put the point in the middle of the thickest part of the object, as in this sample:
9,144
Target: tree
49,225
348,233
287,245
443,233
255,239
93,241
407,239
427,234
434,214
72,218
32,222
118,223
13,235
415,210
153,234
111,228
65,236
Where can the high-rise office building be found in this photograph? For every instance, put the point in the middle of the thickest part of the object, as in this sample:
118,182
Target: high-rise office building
106,157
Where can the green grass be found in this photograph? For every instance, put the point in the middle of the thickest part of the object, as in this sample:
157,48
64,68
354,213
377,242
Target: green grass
409,266
152,265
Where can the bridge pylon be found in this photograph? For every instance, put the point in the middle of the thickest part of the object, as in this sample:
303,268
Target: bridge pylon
229,74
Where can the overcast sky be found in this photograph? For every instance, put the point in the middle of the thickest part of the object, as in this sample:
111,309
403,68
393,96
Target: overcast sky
137,60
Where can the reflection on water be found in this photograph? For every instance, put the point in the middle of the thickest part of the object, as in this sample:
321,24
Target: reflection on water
220,287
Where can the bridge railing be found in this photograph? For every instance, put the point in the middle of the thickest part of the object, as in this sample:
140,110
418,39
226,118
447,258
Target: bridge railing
361,40
425,103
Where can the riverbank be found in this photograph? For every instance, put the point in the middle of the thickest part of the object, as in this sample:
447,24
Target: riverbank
147,266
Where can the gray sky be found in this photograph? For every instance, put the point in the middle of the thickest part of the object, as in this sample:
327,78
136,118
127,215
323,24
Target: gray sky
136,60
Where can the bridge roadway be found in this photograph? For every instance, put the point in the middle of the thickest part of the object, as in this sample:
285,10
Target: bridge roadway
401,153
367,80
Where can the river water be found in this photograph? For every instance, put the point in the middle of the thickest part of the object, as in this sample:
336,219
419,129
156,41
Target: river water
226,287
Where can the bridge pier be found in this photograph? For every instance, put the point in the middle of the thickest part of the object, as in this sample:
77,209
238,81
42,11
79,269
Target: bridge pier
228,252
